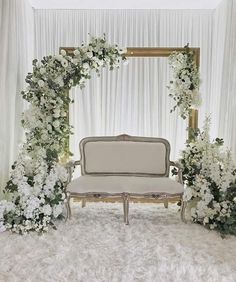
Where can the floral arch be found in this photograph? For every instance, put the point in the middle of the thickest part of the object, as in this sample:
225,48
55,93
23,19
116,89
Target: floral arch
36,189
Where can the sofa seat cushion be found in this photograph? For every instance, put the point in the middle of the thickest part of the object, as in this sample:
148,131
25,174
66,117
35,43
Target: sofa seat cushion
122,184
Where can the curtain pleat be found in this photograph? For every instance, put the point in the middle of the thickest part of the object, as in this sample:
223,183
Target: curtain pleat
16,45
223,96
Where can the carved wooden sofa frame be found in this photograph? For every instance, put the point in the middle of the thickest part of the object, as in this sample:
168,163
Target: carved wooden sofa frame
126,163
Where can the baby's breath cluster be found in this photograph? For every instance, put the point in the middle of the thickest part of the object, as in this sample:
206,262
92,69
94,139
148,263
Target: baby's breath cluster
36,189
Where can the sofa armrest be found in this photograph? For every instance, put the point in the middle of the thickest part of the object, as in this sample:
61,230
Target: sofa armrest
179,167
70,166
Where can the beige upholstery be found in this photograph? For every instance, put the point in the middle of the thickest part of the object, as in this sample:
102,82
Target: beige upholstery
122,184
138,156
125,157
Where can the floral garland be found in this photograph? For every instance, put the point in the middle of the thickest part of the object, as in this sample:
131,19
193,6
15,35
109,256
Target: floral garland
184,88
36,189
210,177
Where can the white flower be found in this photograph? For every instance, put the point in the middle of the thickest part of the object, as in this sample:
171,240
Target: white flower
205,220
5,207
63,114
56,123
62,173
42,70
56,113
76,52
47,210
64,63
41,83
2,227
75,61
57,210
59,80
63,52
86,66
89,55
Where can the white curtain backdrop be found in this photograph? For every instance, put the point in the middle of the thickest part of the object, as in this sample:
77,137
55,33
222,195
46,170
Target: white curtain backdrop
223,95
16,45
134,99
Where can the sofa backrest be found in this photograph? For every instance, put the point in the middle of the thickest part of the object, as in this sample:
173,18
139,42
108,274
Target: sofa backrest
125,155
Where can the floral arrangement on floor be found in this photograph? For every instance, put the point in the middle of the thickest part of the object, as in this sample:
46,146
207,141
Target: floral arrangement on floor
36,190
184,88
209,174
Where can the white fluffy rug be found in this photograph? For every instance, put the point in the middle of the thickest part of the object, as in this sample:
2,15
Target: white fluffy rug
96,246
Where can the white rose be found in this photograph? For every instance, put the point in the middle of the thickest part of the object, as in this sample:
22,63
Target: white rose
41,83
63,114
63,52
76,52
86,66
89,55
56,113
56,123
64,63
100,62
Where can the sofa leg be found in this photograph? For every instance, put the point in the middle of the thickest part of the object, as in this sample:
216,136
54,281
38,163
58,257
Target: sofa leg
126,209
183,207
83,203
166,204
68,209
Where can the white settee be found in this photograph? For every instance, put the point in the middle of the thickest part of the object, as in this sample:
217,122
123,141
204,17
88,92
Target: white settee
126,168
